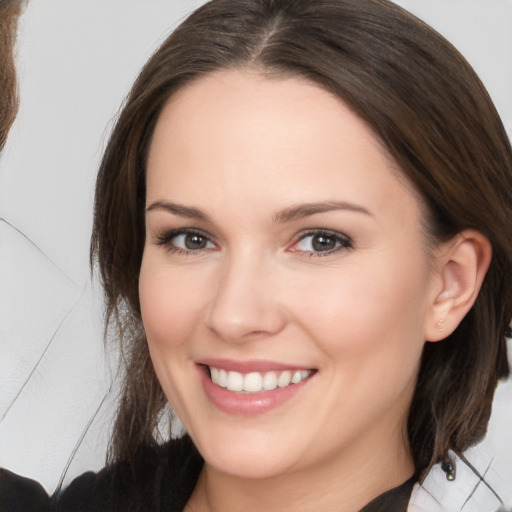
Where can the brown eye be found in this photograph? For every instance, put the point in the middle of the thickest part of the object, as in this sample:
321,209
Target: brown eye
193,241
323,243
320,243
185,241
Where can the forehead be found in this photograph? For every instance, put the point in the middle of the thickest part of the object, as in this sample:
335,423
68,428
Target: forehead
240,134
257,103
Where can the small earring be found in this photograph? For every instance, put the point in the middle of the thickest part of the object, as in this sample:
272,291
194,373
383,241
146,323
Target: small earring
439,325
448,467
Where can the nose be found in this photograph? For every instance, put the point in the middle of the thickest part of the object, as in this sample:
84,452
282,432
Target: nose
246,304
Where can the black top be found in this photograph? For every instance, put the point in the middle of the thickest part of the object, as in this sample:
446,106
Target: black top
160,480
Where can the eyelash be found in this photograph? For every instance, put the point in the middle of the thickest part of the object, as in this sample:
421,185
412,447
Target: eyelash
165,240
341,241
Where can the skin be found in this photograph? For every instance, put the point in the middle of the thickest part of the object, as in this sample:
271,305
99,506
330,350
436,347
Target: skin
240,147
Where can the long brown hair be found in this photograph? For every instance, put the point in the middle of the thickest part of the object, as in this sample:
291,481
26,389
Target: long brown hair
430,110
9,12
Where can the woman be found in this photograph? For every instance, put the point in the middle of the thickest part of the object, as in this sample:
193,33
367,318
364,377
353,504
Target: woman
302,224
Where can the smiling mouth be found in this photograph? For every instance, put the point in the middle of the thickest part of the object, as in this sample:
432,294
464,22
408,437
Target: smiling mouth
256,382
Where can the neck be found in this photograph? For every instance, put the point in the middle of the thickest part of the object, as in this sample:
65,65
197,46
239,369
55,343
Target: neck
345,483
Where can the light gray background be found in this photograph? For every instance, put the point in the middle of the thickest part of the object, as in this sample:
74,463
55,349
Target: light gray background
77,60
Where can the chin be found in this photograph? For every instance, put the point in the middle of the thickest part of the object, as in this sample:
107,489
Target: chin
246,456
247,467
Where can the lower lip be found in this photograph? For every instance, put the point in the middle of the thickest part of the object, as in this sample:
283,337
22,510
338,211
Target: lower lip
248,404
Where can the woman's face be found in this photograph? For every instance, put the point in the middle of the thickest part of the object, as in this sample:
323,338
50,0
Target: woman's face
282,243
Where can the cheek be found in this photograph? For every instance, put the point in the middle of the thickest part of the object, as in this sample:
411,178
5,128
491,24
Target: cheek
373,309
370,328
171,308
170,305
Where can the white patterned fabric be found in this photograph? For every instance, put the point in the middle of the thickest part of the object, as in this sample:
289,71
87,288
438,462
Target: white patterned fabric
484,482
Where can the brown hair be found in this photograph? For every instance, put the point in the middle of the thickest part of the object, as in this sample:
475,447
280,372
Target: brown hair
430,110
9,11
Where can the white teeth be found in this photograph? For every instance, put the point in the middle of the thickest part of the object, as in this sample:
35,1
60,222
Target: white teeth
270,381
284,379
235,381
223,378
296,377
255,382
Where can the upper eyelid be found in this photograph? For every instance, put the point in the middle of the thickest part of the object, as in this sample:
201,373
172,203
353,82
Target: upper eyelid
346,241
166,235
321,231
314,231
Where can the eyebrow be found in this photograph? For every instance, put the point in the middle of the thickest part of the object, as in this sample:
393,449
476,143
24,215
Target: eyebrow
178,209
306,210
288,214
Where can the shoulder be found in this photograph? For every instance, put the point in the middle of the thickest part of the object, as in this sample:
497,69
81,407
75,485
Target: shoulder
161,477
19,494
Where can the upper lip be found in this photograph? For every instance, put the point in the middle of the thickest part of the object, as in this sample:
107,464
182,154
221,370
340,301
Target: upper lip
254,365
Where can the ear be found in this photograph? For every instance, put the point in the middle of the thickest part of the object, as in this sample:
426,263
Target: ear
461,264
